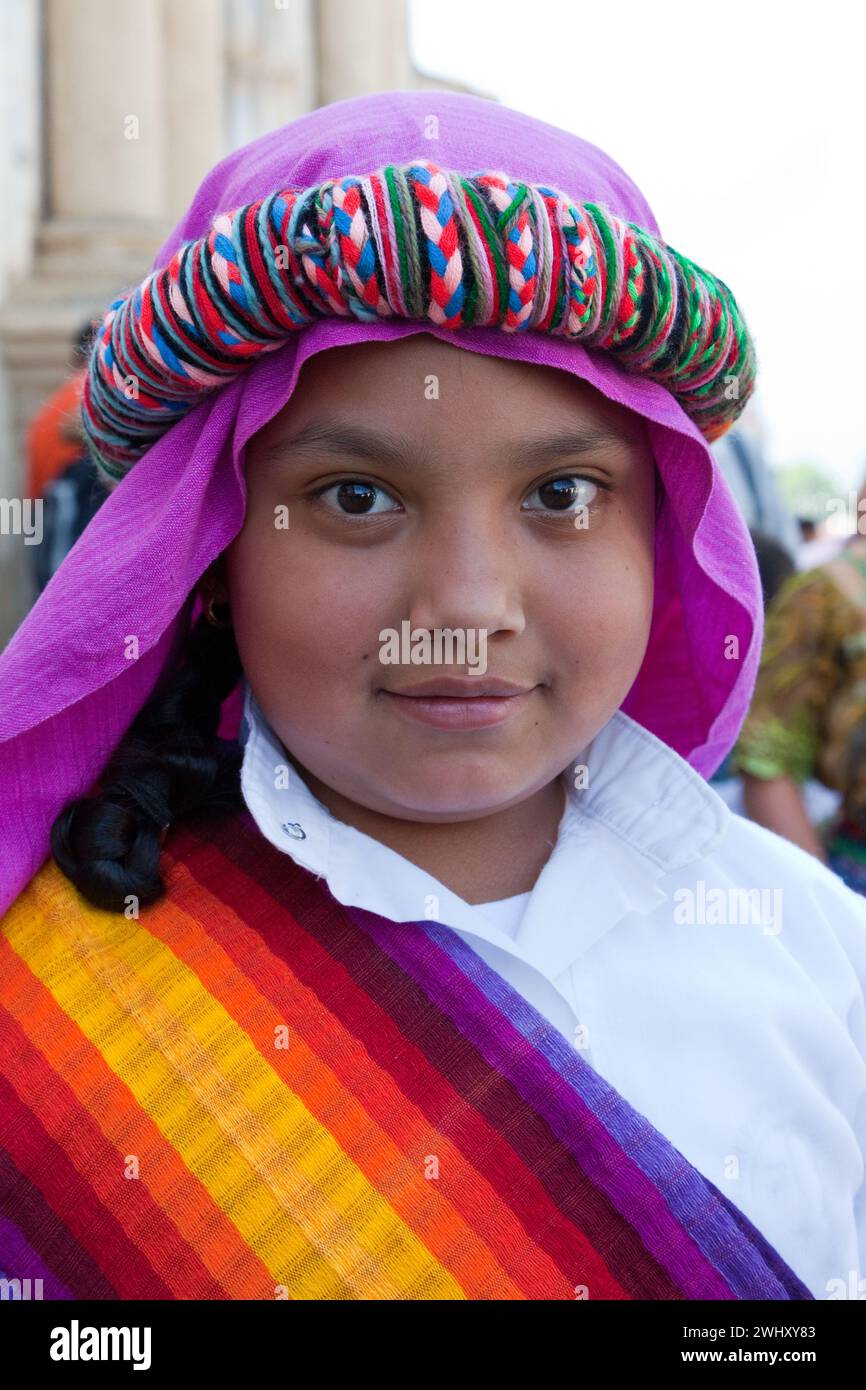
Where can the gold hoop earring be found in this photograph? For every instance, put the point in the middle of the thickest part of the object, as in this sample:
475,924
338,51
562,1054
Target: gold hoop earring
209,614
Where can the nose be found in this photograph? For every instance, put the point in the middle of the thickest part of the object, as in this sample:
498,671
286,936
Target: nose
463,576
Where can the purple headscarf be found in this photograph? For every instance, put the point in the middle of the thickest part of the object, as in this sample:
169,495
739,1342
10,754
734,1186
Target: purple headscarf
71,682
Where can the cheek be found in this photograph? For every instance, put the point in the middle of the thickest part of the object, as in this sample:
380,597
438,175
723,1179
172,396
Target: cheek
602,630
298,625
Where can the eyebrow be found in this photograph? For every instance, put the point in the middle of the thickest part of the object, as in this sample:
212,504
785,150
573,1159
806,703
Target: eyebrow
403,451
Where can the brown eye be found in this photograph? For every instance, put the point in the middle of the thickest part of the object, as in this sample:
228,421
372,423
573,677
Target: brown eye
563,494
354,497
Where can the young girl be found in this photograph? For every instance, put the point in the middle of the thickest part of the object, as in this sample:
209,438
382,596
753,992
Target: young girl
339,962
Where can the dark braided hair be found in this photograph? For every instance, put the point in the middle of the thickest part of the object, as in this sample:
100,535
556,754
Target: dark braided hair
169,767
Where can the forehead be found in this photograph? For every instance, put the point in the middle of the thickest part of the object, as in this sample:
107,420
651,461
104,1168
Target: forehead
421,381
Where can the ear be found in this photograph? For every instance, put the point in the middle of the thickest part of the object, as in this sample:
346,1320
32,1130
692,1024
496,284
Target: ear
660,493
214,582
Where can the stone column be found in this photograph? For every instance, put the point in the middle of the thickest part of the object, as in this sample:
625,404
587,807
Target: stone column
106,110
133,117
270,58
193,108
20,197
362,47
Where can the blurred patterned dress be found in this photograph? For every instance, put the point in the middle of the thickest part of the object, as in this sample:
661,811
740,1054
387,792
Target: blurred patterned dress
808,715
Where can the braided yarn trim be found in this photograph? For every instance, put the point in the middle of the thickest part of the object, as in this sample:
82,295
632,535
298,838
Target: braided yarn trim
419,242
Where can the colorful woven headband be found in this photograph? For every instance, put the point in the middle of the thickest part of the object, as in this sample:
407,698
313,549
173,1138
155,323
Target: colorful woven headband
419,242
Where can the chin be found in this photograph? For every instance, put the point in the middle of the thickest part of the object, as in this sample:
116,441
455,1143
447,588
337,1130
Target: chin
457,798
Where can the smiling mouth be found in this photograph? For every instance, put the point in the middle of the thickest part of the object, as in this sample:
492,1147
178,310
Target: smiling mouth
460,704
463,688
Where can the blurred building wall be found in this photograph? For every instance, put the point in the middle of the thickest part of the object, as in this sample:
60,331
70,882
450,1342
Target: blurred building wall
113,111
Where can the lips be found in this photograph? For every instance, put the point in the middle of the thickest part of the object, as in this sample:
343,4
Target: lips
460,704
462,688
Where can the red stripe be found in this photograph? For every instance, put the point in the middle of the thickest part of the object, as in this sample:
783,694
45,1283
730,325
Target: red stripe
556,270
260,270
73,1200
358,1075
135,361
213,324
45,1233
392,274
393,1034
600,263
174,327
161,1244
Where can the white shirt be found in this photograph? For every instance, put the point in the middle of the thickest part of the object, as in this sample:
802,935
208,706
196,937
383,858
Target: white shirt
736,1026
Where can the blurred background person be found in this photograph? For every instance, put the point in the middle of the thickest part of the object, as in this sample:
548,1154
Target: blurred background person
58,468
54,437
807,719
775,564
816,546
742,457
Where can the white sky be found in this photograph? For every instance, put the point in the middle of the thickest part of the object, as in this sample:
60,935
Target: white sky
743,125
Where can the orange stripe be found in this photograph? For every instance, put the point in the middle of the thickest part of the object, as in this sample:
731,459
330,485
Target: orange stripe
499,1251
109,1103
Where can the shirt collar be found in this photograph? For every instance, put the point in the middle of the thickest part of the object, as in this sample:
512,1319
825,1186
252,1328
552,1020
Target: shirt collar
635,812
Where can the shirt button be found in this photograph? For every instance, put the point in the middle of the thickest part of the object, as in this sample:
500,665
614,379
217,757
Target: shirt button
292,828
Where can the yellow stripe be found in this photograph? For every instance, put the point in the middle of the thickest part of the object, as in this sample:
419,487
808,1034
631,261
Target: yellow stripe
237,1126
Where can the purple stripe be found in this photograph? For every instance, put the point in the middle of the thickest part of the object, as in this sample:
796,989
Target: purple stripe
739,1252
18,1260
451,978
794,1286
742,1255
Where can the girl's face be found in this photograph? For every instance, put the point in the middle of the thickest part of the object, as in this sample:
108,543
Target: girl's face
412,486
